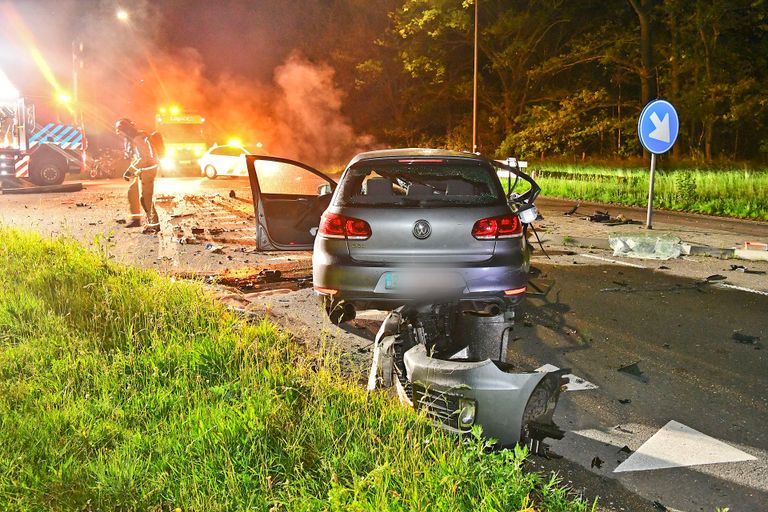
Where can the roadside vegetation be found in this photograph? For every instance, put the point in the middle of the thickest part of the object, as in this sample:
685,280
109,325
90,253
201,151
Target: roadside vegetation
123,390
726,192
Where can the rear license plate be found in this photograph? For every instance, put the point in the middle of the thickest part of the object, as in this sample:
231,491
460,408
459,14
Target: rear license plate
423,281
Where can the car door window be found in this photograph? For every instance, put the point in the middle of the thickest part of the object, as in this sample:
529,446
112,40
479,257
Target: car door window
288,179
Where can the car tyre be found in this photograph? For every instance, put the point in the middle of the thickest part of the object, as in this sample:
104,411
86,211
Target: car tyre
47,172
210,172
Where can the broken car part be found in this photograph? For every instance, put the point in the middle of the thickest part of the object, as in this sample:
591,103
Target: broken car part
449,361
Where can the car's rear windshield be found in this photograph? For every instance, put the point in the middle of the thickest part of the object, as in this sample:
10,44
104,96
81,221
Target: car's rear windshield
420,183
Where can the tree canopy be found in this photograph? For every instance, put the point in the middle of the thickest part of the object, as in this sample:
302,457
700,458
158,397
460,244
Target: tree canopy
555,77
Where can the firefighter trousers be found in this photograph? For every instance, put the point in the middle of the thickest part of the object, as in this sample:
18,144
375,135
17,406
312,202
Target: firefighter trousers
140,196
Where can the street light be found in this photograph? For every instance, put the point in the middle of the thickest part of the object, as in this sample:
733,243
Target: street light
122,15
64,98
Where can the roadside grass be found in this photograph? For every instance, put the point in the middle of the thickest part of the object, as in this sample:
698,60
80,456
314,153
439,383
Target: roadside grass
123,390
726,192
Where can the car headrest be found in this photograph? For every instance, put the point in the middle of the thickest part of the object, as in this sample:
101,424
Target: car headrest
417,190
378,187
459,188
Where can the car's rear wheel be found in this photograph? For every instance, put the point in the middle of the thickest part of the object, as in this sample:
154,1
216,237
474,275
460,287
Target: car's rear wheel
210,172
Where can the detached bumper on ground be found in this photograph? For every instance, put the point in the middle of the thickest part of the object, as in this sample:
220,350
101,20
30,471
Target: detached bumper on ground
510,407
460,388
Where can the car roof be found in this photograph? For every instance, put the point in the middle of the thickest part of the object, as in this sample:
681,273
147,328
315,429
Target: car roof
415,153
227,146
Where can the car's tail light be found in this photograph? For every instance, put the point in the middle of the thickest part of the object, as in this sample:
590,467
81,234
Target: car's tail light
333,225
505,226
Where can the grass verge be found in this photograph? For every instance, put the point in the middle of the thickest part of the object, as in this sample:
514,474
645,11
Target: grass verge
727,192
123,390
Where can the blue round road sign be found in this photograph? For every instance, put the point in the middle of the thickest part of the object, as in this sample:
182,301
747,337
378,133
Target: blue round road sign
658,126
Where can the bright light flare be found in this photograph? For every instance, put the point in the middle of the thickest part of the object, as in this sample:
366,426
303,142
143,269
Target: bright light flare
234,142
175,110
64,98
167,163
122,15
28,40
7,91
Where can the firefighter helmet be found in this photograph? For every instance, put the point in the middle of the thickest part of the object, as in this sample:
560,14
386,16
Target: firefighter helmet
126,127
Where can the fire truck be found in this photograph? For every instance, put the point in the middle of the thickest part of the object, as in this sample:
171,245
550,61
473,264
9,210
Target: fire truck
40,153
184,138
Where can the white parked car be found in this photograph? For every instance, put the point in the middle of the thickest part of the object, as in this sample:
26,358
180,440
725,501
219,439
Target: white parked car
226,160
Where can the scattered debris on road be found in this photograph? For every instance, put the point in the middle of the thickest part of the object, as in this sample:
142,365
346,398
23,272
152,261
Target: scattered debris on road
597,462
745,270
633,370
214,249
662,246
745,339
573,210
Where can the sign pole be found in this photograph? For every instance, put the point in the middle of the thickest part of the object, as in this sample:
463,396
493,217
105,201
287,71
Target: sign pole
648,223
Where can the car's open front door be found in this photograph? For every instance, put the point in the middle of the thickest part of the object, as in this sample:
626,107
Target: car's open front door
288,199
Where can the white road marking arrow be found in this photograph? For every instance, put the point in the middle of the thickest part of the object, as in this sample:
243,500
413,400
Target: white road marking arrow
662,127
677,445
574,383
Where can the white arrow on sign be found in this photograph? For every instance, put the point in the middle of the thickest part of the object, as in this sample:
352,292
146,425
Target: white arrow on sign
662,127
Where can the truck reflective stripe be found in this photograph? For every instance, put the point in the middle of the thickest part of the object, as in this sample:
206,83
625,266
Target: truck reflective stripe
62,133
77,143
41,132
22,167
71,136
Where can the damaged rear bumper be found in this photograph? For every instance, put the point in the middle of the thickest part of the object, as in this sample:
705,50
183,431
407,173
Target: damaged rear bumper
511,407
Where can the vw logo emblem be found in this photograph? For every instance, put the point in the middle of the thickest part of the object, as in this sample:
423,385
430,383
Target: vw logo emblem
422,229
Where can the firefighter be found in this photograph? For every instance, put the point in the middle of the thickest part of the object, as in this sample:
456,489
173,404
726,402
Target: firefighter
142,171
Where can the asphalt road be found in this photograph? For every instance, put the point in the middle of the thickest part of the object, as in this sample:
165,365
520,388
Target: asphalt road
681,335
